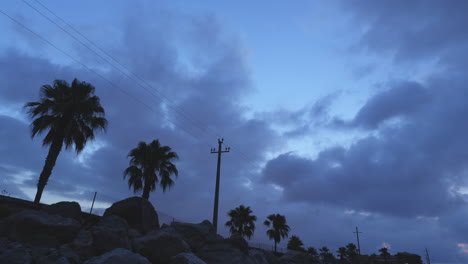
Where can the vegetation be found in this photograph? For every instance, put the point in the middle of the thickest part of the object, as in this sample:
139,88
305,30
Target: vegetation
384,253
279,229
341,252
242,221
70,114
146,163
326,256
295,243
351,253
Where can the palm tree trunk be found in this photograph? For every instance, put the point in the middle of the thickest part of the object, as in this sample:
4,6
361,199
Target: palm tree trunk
146,191
275,246
51,158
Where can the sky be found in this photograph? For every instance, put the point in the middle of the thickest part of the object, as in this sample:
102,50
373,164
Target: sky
338,113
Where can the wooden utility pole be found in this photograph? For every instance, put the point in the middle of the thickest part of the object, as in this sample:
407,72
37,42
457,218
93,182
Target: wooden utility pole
218,172
92,205
358,245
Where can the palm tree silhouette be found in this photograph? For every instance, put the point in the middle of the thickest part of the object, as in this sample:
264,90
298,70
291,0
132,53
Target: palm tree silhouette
279,229
295,243
342,254
71,114
242,222
147,161
384,253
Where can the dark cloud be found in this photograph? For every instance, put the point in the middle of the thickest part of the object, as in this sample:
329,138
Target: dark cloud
402,100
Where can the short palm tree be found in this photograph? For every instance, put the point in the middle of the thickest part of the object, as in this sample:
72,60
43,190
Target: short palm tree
295,243
242,221
70,114
151,164
279,229
341,254
384,253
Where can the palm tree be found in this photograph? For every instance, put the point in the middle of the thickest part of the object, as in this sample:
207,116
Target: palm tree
352,252
146,163
279,229
71,114
326,255
342,254
295,243
311,251
384,253
242,222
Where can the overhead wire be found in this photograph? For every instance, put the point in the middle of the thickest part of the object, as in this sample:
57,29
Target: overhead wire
205,128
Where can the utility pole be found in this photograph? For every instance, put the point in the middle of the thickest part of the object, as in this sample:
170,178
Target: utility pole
218,172
92,205
358,245
428,260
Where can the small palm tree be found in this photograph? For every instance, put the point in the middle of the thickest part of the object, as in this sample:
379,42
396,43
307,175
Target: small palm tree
146,163
70,114
279,229
242,221
295,243
351,252
326,255
311,251
384,253
341,254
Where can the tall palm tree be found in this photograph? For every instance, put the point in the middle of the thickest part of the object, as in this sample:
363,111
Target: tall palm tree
242,222
279,229
70,114
148,161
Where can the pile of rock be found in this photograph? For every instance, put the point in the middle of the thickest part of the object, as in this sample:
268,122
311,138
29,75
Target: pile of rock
129,232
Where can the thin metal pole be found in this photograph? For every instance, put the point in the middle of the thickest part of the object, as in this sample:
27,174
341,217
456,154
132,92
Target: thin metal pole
92,205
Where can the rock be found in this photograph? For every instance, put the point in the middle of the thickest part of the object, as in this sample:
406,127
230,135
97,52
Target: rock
239,243
138,212
110,233
83,244
186,258
14,253
48,256
296,257
260,256
65,209
41,229
161,245
119,256
222,251
196,235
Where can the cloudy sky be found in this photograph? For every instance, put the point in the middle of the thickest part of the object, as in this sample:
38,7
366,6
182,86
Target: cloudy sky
338,113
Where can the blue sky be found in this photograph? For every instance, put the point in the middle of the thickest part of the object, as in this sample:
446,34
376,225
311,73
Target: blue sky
338,113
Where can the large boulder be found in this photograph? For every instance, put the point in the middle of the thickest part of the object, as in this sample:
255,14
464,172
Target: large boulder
260,256
41,229
119,256
196,235
83,244
161,245
223,251
138,212
65,209
186,258
110,233
14,253
49,256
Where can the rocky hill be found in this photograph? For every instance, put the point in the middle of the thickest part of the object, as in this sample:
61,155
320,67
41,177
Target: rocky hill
128,232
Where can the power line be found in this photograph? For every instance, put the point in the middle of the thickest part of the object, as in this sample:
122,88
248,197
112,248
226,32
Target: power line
88,68
203,127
